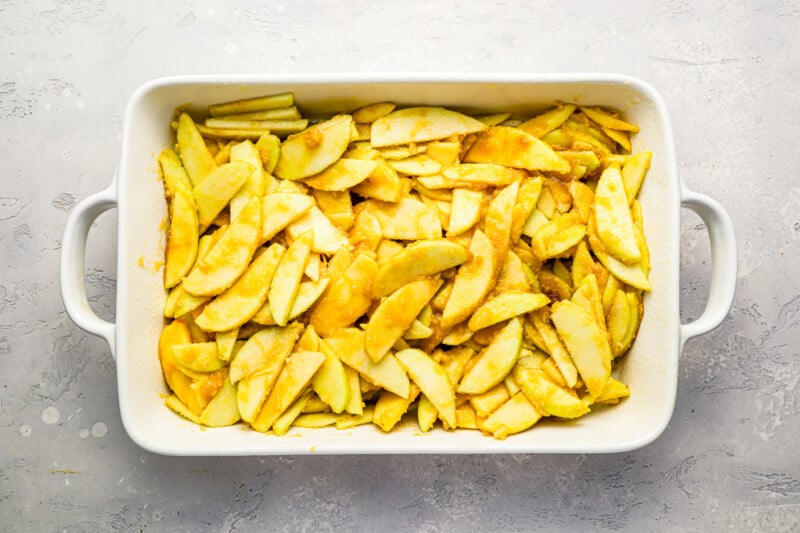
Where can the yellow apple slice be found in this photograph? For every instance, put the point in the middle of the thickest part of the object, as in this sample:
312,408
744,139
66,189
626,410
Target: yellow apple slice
174,403
421,124
315,420
557,236
402,152
226,343
313,150
416,165
327,237
308,293
465,211
342,175
330,382
394,315
497,223
432,380
390,408
495,362
366,232
633,172
418,259
426,414
417,330
347,299
517,414
285,421
514,147
514,276
264,351
355,405
505,306
587,296
383,184
633,275
280,210
351,421
181,251
217,189
604,118
613,391
173,173
555,348
619,322
406,220
549,397
488,402
372,112
348,344
198,356
255,184
613,217
194,154
286,281
487,173
253,390
494,119
245,297
229,257
528,196
586,343
222,410
249,105
177,333
546,122
293,379
473,281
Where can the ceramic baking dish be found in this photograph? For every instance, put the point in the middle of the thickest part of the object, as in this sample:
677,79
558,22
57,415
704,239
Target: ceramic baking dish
650,369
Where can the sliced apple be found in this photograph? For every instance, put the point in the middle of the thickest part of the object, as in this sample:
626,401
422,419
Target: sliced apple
327,237
348,344
222,410
608,120
505,306
514,147
395,314
245,297
217,189
486,403
269,148
390,408
497,223
557,236
406,220
586,343
355,404
253,390
613,391
226,343
633,275
633,172
228,257
198,356
555,348
255,184
347,299
313,150
372,112
548,396
265,351
194,154
383,184
421,124
292,380
546,122
487,173
331,382
416,165
495,362
280,210
517,414
465,211
418,259
174,403
427,414
342,175
285,421
613,217
286,281
181,251
177,333
366,233
473,281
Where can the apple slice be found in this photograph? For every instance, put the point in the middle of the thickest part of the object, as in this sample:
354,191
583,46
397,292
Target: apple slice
517,414
395,314
546,122
473,281
383,184
421,124
228,257
348,344
173,173
556,237
406,220
633,275
222,410
198,356
549,397
330,382
633,172
555,348
286,281
497,223
245,297
432,380
372,112
586,343
174,403
606,119
427,414
327,237
177,333
347,299
514,147
355,405
181,251
226,343
486,173
255,184
280,210
495,362
194,153
416,165
418,259
342,175
285,421
217,189
613,391
253,390
465,211
613,217
315,149
293,379
390,408
264,351
486,403
505,306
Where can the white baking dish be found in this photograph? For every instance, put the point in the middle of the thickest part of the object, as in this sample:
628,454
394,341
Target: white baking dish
650,369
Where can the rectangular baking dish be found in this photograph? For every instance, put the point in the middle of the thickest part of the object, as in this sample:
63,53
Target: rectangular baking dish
650,369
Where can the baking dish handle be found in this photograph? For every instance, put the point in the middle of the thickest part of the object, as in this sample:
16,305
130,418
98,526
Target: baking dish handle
73,251
723,262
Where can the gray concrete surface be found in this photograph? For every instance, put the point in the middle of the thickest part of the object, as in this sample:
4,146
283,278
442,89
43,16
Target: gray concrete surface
730,73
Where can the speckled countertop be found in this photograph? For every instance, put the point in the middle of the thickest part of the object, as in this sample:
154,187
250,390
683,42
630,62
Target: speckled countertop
729,72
